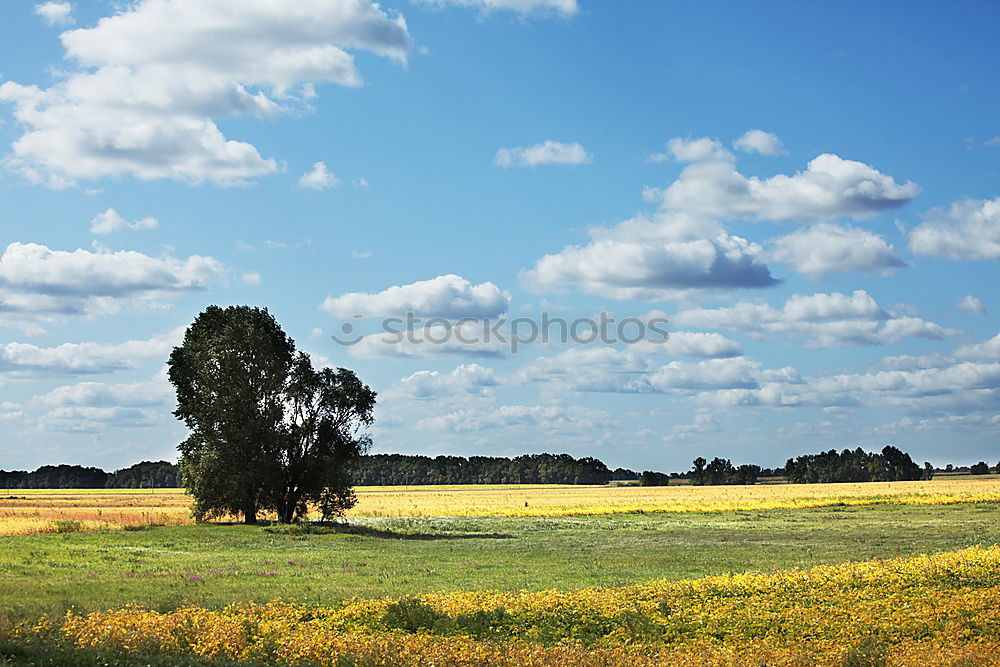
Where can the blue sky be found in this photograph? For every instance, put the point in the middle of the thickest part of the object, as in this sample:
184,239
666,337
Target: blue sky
809,194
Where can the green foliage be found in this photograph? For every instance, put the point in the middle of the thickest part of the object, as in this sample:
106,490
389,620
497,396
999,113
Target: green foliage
268,431
411,615
54,477
650,478
146,475
414,615
981,468
722,471
401,469
890,465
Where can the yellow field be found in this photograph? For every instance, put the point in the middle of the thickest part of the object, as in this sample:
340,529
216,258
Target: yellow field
938,609
34,511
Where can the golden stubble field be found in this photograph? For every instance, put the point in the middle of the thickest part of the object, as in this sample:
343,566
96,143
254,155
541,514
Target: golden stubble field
27,511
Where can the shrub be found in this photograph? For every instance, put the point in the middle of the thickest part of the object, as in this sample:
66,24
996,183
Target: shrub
65,526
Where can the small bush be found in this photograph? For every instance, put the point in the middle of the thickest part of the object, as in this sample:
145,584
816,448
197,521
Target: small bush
412,615
484,624
64,526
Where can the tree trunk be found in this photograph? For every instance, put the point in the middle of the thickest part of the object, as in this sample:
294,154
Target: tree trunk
250,514
287,514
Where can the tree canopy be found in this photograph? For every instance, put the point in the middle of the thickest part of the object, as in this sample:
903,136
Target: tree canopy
856,465
268,432
389,469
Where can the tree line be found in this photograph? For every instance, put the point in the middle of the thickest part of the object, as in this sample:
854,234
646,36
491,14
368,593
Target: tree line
891,465
144,475
402,469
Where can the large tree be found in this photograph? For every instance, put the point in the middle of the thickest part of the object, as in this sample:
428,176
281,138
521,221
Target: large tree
268,432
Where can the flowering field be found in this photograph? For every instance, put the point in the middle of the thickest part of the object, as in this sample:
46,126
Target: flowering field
32,511
39,511
937,609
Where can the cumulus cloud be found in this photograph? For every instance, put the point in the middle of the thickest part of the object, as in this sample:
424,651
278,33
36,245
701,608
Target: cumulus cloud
758,141
547,152
36,281
637,370
821,320
448,296
968,229
829,186
523,7
148,82
464,379
827,248
683,248
97,419
971,304
988,351
55,13
319,178
110,221
83,358
653,259
966,381
698,344
156,391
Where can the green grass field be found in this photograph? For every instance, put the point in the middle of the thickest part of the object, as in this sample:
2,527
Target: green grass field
214,565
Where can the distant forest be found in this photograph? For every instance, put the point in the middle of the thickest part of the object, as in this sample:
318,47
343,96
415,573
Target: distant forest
400,469
891,464
145,475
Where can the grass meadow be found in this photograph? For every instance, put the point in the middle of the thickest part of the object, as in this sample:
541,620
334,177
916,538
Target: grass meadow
896,573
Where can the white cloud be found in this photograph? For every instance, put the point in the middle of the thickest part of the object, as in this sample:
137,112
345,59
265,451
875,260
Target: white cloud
703,422
683,248
968,381
110,221
547,152
971,304
821,320
36,281
637,369
464,339
968,229
83,358
320,178
150,80
55,13
830,186
653,259
250,278
97,419
506,416
758,141
827,248
464,379
987,351
448,296
525,7
156,391
697,344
